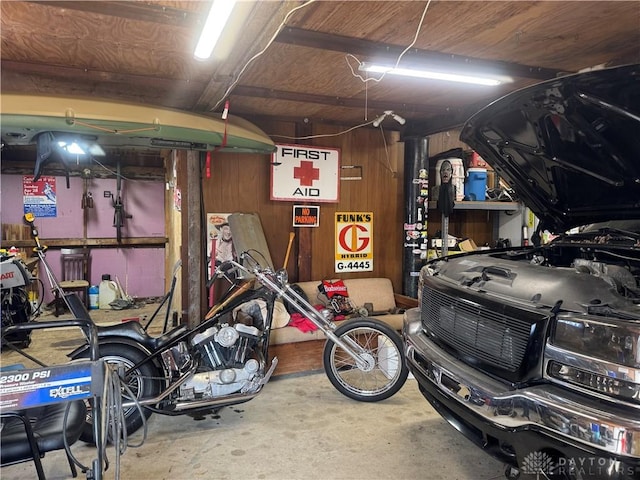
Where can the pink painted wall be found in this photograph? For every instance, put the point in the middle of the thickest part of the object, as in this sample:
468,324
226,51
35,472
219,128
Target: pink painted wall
139,270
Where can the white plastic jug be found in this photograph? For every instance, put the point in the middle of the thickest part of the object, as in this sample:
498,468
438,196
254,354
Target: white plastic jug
107,292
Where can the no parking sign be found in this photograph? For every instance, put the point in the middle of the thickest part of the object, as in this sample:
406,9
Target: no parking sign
354,242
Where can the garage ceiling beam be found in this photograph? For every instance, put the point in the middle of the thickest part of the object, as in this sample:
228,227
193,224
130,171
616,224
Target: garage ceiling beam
190,90
139,11
264,19
149,89
248,91
75,73
442,123
379,51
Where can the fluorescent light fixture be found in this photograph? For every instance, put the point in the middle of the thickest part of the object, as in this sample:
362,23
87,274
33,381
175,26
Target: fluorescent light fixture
74,148
96,150
216,20
450,77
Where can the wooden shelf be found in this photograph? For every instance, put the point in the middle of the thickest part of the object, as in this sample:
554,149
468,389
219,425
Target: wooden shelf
90,242
498,206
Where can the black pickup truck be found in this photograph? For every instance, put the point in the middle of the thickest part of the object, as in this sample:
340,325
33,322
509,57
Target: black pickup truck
533,352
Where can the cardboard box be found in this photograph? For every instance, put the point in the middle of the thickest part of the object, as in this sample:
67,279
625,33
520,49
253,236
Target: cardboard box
467,245
437,242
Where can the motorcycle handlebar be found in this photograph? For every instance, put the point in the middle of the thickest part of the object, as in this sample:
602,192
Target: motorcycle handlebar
229,266
226,268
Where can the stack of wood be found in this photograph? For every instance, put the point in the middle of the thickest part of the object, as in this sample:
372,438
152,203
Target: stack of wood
14,231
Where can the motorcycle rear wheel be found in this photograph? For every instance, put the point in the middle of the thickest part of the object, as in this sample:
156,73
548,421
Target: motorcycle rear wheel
140,381
386,371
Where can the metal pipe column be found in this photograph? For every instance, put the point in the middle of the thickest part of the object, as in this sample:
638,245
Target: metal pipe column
416,190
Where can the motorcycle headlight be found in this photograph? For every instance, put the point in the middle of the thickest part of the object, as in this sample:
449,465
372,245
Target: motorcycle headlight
597,354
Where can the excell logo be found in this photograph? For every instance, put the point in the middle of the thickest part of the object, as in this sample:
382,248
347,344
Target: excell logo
66,392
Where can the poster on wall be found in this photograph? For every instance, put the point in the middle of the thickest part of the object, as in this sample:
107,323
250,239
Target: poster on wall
177,199
303,173
220,242
354,242
39,197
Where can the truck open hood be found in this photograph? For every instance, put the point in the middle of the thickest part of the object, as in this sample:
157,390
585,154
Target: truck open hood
569,147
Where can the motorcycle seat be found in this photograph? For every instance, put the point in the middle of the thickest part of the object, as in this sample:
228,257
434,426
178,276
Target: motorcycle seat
162,340
135,332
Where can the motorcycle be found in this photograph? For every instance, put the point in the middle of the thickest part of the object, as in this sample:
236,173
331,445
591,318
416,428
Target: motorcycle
15,307
224,360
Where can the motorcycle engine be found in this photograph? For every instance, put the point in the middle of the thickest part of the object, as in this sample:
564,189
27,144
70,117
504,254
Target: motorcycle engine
226,353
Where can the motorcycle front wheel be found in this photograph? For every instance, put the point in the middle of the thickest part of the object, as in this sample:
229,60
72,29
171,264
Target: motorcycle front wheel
140,382
381,371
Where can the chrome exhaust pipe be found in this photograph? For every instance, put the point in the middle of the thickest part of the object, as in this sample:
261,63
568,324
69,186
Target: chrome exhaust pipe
217,402
243,396
221,401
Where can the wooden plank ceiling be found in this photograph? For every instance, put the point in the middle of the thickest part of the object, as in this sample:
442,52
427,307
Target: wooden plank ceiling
142,51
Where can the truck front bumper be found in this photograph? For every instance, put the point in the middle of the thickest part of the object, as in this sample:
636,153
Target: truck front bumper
600,439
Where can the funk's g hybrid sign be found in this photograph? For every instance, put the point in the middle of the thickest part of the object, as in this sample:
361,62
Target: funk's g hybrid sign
354,242
299,172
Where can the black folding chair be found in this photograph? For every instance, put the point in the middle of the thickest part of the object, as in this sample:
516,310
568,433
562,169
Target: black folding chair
28,434
34,425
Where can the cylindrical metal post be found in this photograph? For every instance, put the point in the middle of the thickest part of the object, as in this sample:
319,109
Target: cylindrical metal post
416,190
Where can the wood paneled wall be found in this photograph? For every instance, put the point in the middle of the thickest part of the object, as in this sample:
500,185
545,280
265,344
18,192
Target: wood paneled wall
241,183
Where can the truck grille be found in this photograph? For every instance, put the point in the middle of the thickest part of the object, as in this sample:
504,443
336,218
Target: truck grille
475,331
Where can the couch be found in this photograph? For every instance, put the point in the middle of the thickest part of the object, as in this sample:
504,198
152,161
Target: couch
385,305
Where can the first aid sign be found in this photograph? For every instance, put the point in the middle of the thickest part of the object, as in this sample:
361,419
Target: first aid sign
300,172
354,242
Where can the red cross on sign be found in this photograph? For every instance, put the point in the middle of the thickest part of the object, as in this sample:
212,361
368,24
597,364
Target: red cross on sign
306,173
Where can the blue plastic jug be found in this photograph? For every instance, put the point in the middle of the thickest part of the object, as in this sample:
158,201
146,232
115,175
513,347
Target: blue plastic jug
94,293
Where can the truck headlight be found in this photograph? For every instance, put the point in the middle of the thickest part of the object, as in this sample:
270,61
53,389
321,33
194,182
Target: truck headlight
598,354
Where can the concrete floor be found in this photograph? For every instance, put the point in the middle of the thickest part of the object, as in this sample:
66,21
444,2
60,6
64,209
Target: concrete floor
299,427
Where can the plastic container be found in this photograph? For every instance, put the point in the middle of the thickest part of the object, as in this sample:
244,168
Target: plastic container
475,188
94,293
35,303
457,178
477,161
107,292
